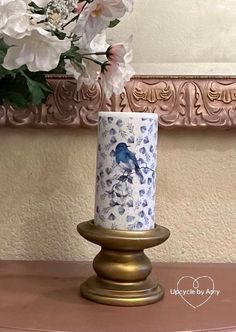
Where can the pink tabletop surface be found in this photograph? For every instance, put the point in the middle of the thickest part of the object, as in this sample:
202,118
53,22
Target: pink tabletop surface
44,296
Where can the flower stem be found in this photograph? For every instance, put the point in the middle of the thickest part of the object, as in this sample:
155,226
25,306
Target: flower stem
93,60
95,53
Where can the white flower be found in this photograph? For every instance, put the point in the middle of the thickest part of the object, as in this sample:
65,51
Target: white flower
118,70
89,70
4,13
39,52
14,19
87,73
71,4
99,43
129,5
113,81
72,69
97,16
114,74
41,3
57,13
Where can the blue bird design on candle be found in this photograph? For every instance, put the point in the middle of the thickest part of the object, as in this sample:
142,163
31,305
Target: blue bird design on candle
127,160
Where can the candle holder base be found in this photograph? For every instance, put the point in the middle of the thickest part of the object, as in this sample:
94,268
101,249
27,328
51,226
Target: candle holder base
120,293
121,266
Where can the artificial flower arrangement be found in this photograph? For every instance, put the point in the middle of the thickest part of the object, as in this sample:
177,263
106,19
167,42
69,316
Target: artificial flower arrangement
60,37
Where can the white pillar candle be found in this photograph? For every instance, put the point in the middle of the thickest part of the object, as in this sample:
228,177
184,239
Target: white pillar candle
126,170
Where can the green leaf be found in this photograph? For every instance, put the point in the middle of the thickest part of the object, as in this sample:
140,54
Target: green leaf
15,98
38,87
114,23
38,91
3,50
24,88
59,34
13,72
72,52
14,91
3,72
37,9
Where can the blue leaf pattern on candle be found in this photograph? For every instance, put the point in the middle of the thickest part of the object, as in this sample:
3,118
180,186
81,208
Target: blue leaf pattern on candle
113,140
141,214
111,217
142,150
130,218
108,170
104,134
141,161
109,183
119,123
141,192
112,153
146,140
144,204
113,203
130,179
145,170
143,129
130,203
121,210
112,131
139,225
126,190
131,140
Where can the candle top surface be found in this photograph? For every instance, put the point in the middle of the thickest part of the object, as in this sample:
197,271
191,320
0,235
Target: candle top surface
129,114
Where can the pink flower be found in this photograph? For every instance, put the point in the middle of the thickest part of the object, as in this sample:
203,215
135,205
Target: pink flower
117,71
97,16
118,53
79,7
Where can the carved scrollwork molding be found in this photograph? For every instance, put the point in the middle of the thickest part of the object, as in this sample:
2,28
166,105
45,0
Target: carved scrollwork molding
180,101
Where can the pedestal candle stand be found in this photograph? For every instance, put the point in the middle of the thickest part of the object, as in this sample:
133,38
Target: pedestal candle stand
121,267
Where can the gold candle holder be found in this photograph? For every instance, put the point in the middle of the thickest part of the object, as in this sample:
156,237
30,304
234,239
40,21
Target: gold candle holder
121,266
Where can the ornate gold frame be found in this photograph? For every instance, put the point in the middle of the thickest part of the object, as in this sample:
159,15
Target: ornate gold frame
180,101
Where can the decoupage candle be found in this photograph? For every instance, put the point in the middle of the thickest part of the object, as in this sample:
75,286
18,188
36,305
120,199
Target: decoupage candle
126,170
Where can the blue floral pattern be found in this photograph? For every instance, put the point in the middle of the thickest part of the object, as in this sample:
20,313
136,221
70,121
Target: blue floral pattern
126,171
